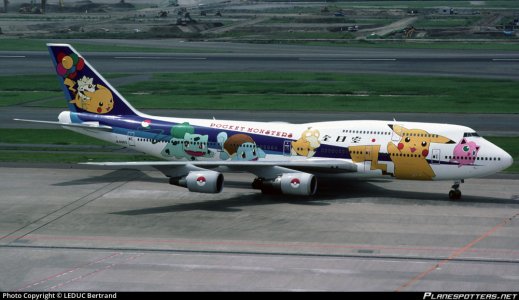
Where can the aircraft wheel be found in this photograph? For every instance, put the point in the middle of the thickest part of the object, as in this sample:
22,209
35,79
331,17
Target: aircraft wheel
455,194
451,194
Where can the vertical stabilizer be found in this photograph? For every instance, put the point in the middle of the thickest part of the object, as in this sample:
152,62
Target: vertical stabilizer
86,91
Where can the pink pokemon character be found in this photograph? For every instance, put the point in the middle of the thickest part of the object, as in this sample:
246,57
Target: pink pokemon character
465,153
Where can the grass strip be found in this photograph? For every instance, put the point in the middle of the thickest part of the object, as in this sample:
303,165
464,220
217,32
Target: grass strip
288,91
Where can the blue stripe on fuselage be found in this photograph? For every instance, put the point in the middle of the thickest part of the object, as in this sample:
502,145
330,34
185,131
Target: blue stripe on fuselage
160,131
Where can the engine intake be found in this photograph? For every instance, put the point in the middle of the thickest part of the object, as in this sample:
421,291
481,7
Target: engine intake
208,182
288,183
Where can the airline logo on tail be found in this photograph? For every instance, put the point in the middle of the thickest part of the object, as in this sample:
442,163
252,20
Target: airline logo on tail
85,89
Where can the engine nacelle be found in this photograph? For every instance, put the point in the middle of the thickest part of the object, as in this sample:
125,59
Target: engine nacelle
289,183
209,182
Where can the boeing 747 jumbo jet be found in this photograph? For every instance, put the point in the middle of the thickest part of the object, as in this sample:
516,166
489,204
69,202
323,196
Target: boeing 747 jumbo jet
286,158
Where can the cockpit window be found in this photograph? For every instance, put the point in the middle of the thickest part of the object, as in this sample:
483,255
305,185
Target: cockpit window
469,134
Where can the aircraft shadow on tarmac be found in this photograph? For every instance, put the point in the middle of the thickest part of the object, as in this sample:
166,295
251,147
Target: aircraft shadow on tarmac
121,175
331,190
359,192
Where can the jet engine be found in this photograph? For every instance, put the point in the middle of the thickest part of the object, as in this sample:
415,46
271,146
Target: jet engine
288,183
208,182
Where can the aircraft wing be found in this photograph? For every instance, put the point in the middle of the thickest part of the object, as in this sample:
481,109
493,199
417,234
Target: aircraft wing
260,168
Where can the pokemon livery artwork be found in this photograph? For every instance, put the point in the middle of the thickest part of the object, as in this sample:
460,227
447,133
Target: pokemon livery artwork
307,144
409,153
185,143
91,97
85,90
239,147
285,158
94,98
465,153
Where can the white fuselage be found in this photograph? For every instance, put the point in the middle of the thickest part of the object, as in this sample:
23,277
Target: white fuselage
401,150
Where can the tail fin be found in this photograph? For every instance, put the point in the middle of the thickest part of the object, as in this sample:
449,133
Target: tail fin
85,89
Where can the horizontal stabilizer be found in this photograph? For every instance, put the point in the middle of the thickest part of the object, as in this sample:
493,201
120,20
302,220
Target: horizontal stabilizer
94,126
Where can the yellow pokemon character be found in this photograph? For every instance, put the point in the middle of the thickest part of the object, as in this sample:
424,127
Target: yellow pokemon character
91,97
367,153
410,155
101,100
307,144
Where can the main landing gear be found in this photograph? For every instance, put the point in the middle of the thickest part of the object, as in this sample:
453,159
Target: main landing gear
455,193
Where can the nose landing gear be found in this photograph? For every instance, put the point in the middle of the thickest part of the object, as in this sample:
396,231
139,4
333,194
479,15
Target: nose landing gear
455,193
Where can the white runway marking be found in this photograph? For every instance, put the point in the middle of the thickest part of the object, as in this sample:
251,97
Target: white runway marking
347,59
160,58
13,56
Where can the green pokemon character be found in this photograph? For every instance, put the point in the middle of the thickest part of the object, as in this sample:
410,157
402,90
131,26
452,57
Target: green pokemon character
185,143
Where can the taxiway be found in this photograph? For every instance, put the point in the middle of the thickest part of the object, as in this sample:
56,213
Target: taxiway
64,228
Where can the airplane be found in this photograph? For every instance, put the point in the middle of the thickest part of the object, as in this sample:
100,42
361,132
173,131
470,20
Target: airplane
286,158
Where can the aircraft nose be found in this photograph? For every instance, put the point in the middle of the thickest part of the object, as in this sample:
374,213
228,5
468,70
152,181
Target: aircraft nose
507,160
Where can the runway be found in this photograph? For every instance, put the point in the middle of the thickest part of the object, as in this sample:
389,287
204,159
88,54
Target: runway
70,229
220,57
